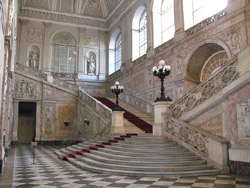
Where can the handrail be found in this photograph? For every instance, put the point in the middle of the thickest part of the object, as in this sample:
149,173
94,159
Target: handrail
211,86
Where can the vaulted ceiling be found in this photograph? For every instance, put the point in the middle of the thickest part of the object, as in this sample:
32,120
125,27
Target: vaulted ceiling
92,8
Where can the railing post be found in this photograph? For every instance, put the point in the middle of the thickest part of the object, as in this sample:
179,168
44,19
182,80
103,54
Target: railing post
160,108
118,122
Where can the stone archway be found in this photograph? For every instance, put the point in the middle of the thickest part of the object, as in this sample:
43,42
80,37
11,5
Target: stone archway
205,60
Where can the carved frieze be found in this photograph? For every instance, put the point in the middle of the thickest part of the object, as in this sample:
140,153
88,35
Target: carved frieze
35,34
30,71
26,89
91,40
28,13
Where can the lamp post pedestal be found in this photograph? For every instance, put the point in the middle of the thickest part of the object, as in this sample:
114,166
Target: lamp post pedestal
118,122
160,108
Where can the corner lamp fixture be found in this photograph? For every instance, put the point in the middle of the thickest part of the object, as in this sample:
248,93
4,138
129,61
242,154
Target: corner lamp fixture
161,72
117,89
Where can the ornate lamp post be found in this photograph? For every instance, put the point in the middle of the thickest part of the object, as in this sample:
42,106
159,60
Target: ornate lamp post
161,72
117,89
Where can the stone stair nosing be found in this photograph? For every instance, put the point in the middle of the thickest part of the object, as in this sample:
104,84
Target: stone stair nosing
136,161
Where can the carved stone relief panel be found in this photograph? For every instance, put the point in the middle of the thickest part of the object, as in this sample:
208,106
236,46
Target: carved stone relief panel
179,65
35,34
48,93
27,89
243,118
235,39
91,40
49,119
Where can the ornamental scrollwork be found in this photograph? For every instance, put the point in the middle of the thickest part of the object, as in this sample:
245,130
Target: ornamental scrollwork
215,83
188,135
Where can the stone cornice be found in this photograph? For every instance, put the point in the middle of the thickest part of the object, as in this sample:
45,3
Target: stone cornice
77,20
45,16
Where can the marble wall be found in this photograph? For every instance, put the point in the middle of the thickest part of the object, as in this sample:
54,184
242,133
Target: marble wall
54,106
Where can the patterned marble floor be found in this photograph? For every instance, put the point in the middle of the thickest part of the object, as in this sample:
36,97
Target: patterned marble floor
48,172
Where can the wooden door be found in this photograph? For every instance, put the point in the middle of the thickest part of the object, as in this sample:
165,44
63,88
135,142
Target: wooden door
25,129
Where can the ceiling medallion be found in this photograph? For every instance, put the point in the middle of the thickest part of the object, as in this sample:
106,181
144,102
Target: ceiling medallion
93,5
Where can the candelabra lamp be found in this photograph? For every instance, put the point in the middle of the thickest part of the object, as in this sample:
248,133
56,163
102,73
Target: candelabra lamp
117,89
161,72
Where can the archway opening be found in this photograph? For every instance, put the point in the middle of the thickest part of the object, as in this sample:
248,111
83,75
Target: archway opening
204,62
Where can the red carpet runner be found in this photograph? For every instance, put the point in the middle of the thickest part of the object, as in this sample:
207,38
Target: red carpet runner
95,147
141,124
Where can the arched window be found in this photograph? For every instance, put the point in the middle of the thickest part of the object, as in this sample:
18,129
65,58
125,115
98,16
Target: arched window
118,52
115,51
139,32
167,21
163,20
63,53
197,10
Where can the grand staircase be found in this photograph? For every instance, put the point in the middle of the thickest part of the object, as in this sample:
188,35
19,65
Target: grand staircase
142,124
136,155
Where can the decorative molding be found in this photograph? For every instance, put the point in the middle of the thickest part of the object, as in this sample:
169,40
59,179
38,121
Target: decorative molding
91,40
30,71
206,22
35,34
164,46
62,18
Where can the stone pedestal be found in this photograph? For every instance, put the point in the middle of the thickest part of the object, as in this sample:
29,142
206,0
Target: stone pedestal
118,122
159,108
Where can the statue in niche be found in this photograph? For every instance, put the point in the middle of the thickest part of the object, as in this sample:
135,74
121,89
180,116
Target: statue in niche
91,65
34,59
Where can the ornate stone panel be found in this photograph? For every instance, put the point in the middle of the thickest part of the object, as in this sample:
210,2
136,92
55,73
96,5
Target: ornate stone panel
91,40
49,120
35,34
243,118
27,89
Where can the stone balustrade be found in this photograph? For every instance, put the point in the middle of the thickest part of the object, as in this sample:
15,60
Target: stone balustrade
96,113
210,147
137,103
215,83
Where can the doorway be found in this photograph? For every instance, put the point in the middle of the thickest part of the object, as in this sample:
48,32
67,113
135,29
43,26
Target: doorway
26,122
